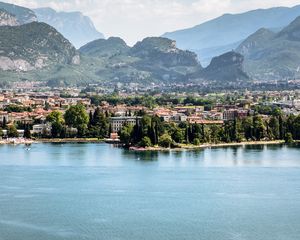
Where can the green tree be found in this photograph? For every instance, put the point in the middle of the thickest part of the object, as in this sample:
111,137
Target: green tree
258,128
296,128
27,133
289,138
165,141
247,124
77,117
12,132
178,135
125,135
4,123
145,142
1,133
57,123
55,116
274,128
196,142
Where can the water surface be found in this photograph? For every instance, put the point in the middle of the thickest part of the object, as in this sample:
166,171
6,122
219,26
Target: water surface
96,191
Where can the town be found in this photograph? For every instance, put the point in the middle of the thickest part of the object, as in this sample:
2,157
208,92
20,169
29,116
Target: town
28,112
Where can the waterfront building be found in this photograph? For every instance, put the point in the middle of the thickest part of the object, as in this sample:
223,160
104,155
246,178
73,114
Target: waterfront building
118,122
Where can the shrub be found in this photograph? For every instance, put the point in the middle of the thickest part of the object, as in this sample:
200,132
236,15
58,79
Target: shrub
165,141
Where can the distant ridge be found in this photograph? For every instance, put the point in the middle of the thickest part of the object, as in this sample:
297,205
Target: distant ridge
22,14
271,56
76,27
225,33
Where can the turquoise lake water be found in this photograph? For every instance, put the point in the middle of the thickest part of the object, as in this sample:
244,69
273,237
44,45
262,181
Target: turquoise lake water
97,191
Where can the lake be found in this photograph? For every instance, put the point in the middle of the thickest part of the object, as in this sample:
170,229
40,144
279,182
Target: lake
97,191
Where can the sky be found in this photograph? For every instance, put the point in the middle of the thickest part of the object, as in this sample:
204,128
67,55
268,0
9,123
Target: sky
133,20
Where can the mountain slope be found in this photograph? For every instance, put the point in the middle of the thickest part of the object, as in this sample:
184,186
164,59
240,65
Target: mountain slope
219,35
7,19
34,46
22,14
226,68
105,48
76,27
273,56
153,59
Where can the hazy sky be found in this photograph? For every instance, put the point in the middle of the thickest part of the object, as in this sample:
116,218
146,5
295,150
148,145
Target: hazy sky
135,19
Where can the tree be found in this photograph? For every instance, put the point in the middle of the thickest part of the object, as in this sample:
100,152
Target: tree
274,128
178,135
196,142
98,124
125,135
77,117
12,132
4,123
145,142
1,133
56,129
165,141
289,138
248,128
57,123
55,116
27,133
258,128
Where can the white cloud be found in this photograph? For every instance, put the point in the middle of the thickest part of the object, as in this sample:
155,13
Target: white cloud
136,19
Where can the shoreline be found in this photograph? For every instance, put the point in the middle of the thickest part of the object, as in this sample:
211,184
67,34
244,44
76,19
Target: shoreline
204,146
21,141
183,147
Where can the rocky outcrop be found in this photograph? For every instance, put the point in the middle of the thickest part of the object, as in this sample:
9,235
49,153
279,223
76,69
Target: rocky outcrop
7,19
225,68
22,14
163,51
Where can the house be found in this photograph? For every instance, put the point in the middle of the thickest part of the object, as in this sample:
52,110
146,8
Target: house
117,123
4,115
232,114
41,129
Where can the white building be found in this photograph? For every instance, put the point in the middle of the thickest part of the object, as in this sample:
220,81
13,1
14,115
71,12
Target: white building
117,123
41,129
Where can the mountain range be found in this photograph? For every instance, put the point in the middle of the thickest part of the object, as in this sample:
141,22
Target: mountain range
222,34
34,46
76,27
270,55
34,50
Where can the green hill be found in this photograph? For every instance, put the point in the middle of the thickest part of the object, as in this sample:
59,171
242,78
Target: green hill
34,46
151,60
113,46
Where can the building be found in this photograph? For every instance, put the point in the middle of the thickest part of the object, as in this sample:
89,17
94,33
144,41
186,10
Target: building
117,123
232,114
40,129
4,115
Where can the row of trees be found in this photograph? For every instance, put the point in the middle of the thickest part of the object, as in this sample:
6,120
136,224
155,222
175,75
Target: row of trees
94,125
150,131
150,101
76,122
